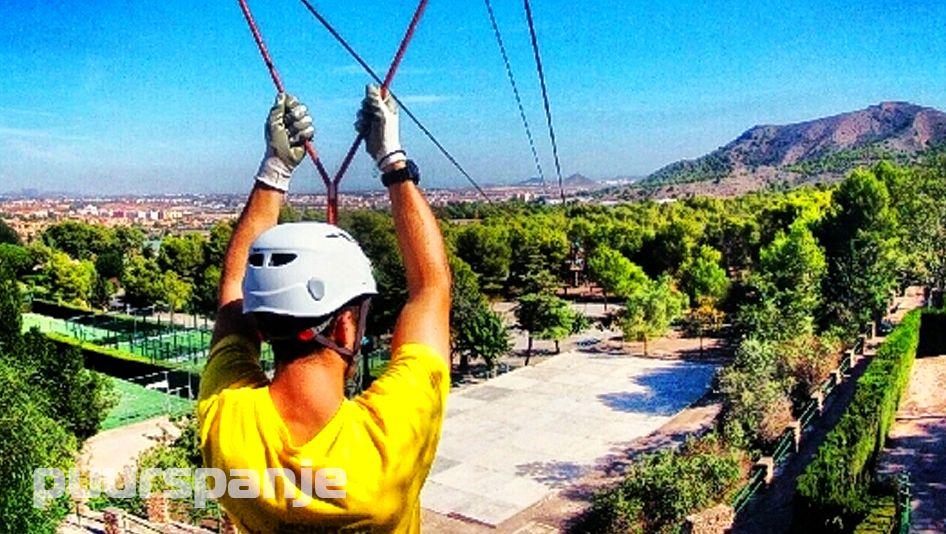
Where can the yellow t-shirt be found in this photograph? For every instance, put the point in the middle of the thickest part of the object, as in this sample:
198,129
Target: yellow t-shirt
384,440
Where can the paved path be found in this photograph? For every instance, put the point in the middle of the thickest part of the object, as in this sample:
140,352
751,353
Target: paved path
515,440
112,450
917,443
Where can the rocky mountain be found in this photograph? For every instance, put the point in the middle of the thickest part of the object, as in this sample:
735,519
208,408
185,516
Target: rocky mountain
817,150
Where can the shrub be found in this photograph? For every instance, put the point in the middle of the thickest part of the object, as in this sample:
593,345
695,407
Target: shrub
832,493
810,360
756,405
881,518
662,488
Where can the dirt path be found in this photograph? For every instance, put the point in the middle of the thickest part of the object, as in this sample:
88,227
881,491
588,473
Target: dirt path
917,443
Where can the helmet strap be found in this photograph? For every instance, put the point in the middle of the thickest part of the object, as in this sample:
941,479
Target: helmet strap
319,338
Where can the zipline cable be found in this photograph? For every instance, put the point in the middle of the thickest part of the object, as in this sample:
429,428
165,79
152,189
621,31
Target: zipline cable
374,75
545,96
277,81
515,92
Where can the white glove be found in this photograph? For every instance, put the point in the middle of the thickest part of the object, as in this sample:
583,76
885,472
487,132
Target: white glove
378,123
288,127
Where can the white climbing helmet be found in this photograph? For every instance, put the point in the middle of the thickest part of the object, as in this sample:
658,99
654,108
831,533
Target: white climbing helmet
306,269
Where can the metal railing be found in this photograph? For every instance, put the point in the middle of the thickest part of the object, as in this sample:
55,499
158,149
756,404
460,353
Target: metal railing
744,495
903,503
783,447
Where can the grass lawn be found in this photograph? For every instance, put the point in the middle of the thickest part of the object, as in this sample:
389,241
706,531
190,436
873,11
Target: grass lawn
137,403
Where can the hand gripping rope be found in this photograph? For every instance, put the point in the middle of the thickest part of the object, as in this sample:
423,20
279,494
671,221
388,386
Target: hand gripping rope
407,111
277,81
331,184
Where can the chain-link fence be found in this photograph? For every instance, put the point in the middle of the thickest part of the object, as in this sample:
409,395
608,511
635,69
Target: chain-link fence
150,337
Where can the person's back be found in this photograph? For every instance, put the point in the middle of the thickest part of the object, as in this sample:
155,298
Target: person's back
307,458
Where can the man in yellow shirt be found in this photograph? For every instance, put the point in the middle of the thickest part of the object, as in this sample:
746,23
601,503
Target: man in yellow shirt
307,459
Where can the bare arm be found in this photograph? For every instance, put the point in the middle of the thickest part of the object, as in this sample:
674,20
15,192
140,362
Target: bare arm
287,129
260,214
426,316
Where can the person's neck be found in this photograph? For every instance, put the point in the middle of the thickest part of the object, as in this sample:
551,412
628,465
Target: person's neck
307,392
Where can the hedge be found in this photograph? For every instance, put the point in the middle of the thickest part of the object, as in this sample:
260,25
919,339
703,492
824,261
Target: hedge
126,365
881,519
833,492
59,310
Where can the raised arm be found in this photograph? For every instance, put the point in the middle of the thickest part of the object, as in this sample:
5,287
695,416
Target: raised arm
287,128
426,316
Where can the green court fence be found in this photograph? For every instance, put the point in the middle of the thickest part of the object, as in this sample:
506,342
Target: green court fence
150,337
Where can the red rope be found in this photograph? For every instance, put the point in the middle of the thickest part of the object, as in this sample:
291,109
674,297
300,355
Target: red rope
392,70
277,81
331,185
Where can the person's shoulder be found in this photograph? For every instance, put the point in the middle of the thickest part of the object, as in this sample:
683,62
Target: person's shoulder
419,354
233,363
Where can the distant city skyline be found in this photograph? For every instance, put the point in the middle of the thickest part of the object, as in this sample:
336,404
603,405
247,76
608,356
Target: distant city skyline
126,98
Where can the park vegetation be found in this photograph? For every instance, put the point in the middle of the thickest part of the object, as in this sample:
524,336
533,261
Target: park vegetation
52,404
837,488
788,277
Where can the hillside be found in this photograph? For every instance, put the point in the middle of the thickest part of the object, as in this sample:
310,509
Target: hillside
575,181
817,150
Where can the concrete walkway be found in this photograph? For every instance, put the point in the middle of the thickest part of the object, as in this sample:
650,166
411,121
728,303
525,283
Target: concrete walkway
512,441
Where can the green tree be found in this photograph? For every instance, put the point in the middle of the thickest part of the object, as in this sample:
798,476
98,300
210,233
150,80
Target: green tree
486,248
143,282
540,247
29,439
737,237
702,276
80,240
183,255
670,246
529,273
917,198
704,319
110,264
70,280
615,273
102,291
8,235
11,322
544,316
129,240
859,238
204,298
177,291
51,404
16,258
756,403
786,288
216,246
482,335
651,309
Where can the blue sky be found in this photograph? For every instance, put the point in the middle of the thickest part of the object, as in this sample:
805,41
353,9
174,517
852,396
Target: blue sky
169,96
